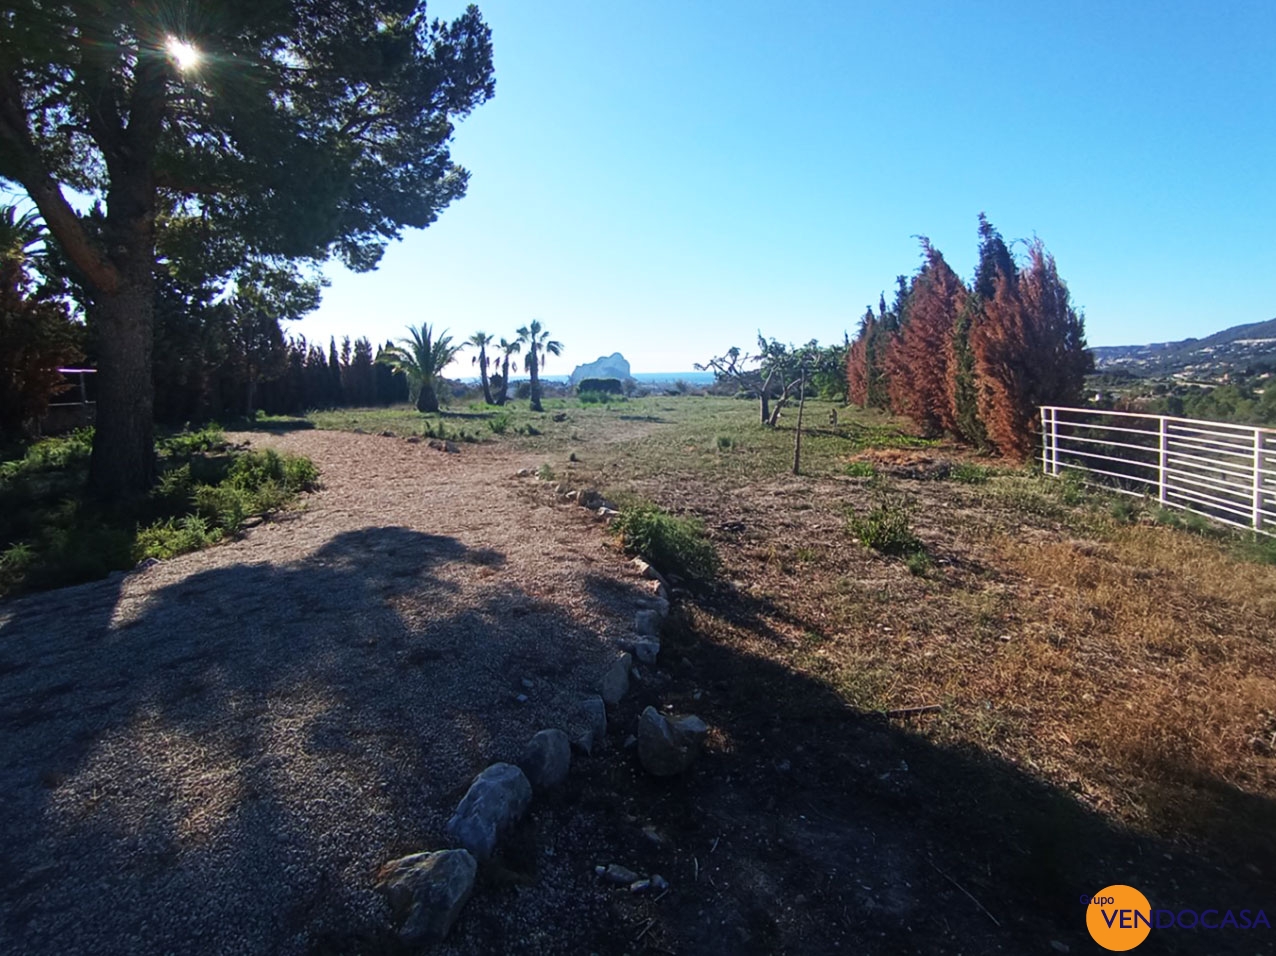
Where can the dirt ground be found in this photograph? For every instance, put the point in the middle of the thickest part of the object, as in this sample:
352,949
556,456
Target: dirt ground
216,754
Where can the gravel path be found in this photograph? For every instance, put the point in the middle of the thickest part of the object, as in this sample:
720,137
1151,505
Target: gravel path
216,754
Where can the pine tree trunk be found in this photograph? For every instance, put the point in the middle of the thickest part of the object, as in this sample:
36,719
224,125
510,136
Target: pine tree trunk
123,461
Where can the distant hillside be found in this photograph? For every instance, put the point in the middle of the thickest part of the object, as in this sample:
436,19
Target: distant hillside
1237,348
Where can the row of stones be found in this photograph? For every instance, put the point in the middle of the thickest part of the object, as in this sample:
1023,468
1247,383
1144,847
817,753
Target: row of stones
426,891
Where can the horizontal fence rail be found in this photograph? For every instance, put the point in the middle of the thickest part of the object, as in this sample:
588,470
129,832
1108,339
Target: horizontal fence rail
1224,472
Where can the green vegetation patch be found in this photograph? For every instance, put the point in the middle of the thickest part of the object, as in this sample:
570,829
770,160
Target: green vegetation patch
52,535
673,545
886,528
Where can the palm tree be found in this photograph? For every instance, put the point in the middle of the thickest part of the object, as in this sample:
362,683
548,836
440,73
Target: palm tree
481,340
538,346
506,349
422,357
21,237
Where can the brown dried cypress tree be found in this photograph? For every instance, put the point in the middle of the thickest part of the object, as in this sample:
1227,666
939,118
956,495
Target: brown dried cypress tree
1029,351
918,357
858,373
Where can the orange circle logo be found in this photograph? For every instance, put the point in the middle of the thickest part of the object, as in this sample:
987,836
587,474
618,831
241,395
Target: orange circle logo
1119,917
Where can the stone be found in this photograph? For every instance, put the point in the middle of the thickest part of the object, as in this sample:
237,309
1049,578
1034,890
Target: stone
413,439
615,683
646,650
1059,947
658,882
615,873
495,802
589,498
451,447
650,573
647,623
606,514
523,473
667,748
640,886
560,416
587,725
546,759
527,683
592,711
522,698
426,892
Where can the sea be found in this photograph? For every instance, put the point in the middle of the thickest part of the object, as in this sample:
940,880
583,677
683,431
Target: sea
643,378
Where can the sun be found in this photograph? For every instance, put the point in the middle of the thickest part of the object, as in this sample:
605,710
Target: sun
184,54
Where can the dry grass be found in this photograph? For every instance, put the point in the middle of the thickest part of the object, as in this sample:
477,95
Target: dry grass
1132,666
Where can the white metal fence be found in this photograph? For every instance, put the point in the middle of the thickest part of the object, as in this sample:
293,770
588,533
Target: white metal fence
1225,472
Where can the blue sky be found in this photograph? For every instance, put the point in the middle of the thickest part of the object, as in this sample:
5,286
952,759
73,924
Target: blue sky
664,179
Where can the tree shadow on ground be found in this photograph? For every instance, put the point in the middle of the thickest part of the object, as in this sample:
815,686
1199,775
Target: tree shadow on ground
817,828
278,426
227,764
168,777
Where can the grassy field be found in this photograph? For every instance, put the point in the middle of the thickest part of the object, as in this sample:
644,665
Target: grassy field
1119,653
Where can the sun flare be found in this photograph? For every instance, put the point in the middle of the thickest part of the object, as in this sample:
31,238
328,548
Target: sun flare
184,54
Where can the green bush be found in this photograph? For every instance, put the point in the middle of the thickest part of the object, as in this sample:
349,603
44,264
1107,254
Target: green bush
599,398
253,469
969,473
602,386
52,535
673,545
185,444
861,469
886,528
725,442
499,424
167,539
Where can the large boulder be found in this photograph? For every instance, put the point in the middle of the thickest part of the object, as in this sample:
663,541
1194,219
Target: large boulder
546,759
495,802
426,892
667,748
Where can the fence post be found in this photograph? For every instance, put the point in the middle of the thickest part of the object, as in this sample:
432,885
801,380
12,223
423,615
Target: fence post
1054,442
1165,457
1258,479
1045,439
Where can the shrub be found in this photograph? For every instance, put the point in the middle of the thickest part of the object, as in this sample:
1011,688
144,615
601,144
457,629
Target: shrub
861,469
166,539
886,528
291,472
600,398
499,424
545,472
673,545
188,443
725,442
601,386
970,474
